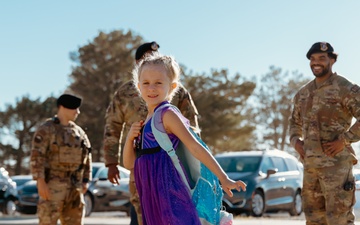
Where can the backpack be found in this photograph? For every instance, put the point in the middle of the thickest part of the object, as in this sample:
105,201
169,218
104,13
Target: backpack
203,185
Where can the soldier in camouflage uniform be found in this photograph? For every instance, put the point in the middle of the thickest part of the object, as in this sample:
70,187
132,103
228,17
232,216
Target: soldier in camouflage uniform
61,165
321,131
126,108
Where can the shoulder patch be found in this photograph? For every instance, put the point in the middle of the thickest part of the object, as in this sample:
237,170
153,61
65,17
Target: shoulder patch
355,88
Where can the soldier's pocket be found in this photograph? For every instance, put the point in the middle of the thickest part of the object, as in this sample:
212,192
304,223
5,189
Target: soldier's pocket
346,200
69,155
57,190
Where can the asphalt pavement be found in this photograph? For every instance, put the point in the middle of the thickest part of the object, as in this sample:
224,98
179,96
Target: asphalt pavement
126,221
118,218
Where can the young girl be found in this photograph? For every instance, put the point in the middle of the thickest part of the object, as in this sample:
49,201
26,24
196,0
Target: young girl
163,195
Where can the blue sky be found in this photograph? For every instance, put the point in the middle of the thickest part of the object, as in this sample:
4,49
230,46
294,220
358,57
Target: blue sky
245,37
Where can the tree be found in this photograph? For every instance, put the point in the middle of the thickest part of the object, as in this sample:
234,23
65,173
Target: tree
274,95
225,119
19,123
101,66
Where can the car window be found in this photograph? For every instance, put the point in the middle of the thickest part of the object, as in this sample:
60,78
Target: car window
291,164
94,171
103,173
266,165
279,163
239,164
21,181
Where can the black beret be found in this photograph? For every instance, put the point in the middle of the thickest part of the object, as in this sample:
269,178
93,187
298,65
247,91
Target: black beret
321,47
142,49
69,101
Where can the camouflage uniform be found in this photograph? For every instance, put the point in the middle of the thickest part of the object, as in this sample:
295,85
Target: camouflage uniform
61,155
126,108
324,114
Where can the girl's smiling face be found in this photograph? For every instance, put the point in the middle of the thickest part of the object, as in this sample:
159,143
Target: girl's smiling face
155,84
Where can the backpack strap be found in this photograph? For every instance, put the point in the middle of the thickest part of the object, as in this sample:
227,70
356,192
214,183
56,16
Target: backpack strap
162,138
166,144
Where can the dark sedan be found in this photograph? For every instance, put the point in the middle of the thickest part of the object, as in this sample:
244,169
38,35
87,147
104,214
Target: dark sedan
21,179
28,198
26,203
100,196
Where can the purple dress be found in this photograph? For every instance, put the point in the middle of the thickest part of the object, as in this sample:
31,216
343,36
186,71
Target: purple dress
164,197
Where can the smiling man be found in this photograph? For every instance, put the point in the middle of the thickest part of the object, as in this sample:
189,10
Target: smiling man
321,132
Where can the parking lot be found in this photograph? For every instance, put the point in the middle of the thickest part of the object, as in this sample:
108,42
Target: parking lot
119,218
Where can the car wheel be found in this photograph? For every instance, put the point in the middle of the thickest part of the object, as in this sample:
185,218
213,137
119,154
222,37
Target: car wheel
296,208
88,204
10,207
257,204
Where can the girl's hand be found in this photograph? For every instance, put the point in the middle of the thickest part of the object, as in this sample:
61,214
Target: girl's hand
229,184
129,148
134,131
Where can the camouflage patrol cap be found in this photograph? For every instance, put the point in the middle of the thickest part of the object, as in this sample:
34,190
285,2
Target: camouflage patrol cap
142,49
321,47
69,101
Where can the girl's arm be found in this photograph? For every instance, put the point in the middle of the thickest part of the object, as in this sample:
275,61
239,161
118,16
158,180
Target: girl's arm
129,147
174,125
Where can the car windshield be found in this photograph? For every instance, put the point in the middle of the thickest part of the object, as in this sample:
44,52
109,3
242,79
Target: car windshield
239,163
94,170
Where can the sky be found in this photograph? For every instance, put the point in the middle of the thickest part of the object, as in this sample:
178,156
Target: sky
245,37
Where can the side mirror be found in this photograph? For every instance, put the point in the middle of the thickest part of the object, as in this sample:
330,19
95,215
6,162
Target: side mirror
270,172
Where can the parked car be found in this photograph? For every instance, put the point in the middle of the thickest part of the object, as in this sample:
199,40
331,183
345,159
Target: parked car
273,178
21,179
27,194
100,196
28,198
8,194
356,173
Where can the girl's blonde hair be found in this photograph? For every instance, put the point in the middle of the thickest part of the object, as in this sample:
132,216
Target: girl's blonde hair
169,63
